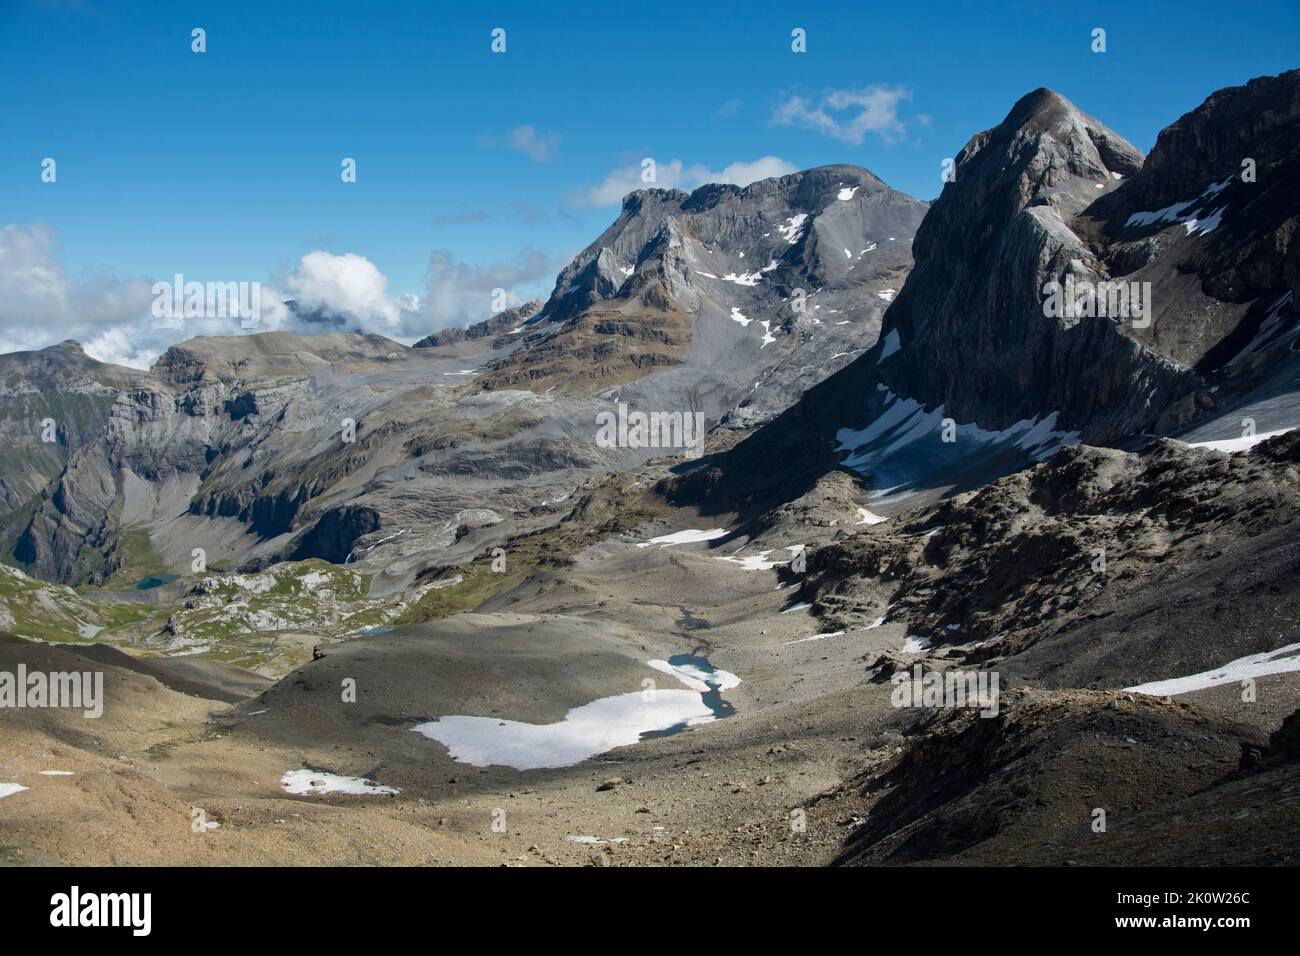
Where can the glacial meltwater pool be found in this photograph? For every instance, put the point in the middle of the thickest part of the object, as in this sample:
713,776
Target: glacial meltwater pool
593,728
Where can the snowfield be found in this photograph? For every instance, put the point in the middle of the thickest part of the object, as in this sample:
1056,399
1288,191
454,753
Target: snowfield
585,731
689,536
302,782
1284,660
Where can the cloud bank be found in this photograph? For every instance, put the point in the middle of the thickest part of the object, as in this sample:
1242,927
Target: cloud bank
113,317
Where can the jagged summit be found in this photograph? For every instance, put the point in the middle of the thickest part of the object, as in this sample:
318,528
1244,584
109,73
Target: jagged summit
778,281
638,198
809,180
969,326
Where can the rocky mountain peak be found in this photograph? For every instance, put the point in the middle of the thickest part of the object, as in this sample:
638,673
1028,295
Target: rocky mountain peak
1045,152
970,347
968,332
730,282
646,199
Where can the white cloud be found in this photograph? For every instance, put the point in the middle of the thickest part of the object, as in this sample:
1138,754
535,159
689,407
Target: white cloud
458,293
41,305
742,174
112,317
348,292
540,148
870,109
674,174
619,182
346,287
122,345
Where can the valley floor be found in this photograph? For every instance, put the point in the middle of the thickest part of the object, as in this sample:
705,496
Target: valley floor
509,733
815,766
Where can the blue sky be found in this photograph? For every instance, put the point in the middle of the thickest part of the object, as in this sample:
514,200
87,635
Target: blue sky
225,165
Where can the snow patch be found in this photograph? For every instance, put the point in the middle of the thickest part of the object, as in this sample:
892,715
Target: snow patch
312,781
816,637
869,517
1284,660
1186,212
698,676
792,231
904,422
689,536
760,561
1199,227
1238,444
585,731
